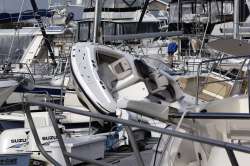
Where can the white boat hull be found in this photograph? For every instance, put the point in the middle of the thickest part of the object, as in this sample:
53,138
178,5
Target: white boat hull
6,88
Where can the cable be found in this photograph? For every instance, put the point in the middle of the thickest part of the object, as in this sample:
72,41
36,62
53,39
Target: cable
12,42
169,139
156,150
173,138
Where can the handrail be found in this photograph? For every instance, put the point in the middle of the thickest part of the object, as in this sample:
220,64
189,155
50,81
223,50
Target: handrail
46,94
225,80
29,71
145,127
229,147
207,61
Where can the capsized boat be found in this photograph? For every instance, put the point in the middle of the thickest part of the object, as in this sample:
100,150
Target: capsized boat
107,78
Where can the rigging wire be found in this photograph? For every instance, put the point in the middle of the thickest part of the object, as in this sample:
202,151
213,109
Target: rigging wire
204,36
15,33
170,142
157,146
174,138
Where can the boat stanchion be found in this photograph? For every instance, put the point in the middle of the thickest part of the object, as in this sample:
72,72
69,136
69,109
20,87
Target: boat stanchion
232,157
59,137
248,84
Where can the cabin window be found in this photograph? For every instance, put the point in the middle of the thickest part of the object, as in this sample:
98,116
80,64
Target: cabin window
85,29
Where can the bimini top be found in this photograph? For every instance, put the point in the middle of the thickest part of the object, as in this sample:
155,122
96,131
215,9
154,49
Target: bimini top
231,46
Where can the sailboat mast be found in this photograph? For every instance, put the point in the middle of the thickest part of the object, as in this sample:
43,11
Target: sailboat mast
97,22
144,9
236,19
45,36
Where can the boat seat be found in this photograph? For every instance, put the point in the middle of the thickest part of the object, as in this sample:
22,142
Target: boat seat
156,82
117,75
143,69
146,108
159,85
124,74
121,68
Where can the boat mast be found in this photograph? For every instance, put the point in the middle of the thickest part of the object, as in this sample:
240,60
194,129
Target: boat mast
236,19
144,9
97,22
45,36
236,36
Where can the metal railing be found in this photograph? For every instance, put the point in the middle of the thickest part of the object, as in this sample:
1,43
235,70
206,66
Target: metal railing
213,60
229,147
37,67
12,72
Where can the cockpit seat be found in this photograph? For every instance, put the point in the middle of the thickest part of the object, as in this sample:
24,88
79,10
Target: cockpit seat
157,84
124,74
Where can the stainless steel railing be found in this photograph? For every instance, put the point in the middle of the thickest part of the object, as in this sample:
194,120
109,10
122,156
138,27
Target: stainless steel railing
208,61
229,147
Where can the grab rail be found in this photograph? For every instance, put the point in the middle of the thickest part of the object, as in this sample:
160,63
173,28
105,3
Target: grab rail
229,147
208,61
15,72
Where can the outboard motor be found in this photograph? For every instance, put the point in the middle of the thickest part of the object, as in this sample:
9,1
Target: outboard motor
14,140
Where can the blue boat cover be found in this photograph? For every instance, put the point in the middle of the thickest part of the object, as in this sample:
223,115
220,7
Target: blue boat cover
172,48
